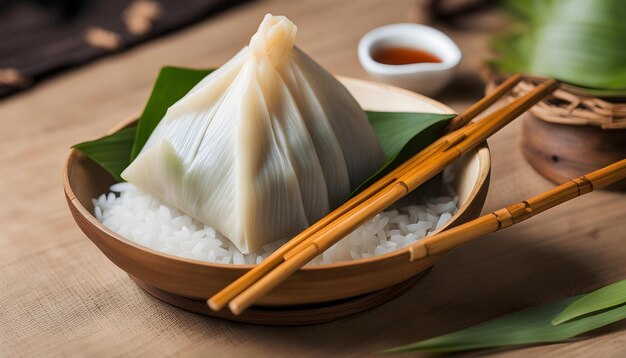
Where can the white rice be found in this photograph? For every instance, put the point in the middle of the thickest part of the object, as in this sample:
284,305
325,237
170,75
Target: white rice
145,220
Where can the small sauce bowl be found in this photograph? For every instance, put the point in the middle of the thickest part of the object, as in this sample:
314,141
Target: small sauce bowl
426,77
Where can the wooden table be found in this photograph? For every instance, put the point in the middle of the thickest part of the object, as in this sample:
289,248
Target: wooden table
60,296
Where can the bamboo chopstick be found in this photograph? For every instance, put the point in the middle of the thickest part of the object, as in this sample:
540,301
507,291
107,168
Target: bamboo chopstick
219,300
404,184
477,108
517,212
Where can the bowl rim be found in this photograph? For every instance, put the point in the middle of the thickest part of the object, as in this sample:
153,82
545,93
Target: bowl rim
482,151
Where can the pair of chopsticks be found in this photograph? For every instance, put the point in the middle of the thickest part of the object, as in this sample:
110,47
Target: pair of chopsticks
257,282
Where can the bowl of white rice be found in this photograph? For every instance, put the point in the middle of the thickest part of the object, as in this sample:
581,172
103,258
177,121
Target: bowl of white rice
183,261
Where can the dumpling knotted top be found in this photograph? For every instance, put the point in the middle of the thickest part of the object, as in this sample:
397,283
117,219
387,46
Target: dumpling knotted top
262,147
274,40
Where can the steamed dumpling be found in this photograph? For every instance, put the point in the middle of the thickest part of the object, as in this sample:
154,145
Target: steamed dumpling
262,147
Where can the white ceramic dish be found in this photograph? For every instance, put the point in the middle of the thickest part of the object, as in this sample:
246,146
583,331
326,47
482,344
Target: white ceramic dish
424,78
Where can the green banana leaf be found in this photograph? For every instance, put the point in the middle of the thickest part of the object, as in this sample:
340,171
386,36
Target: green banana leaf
579,42
402,135
111,152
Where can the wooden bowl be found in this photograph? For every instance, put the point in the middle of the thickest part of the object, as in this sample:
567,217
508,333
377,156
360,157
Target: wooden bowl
313,294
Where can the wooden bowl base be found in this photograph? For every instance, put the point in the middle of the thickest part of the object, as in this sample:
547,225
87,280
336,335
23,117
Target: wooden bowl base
289,315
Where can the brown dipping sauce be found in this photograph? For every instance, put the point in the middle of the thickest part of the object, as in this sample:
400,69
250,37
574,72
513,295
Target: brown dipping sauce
403,56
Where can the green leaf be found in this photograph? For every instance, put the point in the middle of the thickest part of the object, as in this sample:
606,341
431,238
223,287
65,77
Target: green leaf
111,152
171,85
606,297
530,326
396,129
402,135
579,42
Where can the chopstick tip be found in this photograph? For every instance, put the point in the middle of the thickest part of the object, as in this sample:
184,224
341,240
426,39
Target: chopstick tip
235,308
215,306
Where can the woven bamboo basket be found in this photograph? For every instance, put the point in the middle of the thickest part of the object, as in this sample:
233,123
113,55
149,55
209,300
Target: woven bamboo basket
570,132
314,294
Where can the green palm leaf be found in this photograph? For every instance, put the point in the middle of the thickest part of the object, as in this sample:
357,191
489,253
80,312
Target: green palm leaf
534,325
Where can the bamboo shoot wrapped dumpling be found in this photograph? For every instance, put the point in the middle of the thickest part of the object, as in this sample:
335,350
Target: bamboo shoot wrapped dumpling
262,147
